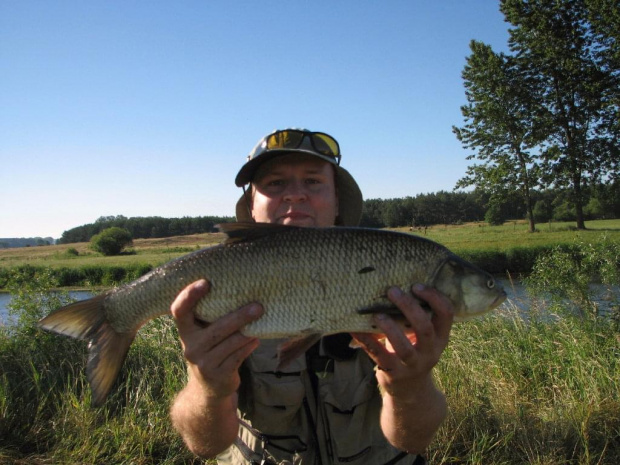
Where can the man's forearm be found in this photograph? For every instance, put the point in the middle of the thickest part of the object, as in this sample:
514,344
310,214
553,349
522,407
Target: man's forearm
208,426
411,424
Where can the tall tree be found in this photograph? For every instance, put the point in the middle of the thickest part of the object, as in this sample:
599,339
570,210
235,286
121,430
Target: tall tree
502,126
569,69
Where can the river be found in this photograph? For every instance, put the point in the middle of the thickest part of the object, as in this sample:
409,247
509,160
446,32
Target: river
5,298
517,298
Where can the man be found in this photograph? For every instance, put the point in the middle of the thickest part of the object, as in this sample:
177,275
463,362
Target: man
334,404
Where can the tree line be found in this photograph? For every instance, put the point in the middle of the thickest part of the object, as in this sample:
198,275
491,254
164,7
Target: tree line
420,211
145,227
546,114
10,242
457,207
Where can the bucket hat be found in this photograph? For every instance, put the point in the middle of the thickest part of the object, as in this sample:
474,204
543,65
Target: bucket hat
302,141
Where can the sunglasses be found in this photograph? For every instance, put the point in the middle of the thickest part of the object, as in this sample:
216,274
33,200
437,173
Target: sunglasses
292,139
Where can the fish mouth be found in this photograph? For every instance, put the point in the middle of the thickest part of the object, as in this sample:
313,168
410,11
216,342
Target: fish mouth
499,300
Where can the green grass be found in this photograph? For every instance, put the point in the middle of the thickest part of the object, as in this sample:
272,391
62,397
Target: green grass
152,252
543,390
481,236
497,249
459,238
536,392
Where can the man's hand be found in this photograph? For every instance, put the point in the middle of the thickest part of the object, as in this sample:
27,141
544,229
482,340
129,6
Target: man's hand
205,411
413,408
214,352
408,358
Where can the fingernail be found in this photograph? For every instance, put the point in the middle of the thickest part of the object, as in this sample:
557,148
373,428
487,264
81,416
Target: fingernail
381,316
201,285
419,287
395,292
254,310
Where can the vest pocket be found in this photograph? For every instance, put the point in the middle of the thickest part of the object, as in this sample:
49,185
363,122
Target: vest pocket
351,408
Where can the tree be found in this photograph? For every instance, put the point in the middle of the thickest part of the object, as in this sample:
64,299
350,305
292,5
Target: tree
568,50
111,241
500,125
542,211
494,215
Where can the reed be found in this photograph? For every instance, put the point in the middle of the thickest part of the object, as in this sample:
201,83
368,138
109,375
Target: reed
539,389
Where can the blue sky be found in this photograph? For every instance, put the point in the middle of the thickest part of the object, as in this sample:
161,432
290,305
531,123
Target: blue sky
150,108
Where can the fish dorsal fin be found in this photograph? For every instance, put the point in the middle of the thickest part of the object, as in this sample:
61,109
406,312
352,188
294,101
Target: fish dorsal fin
246,232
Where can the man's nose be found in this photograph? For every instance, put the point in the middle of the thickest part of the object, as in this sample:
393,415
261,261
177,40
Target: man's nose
295,192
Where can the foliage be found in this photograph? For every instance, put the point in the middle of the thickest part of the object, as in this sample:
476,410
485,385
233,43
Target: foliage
494,215
548,111
144,227
72,252
44,396
542,211
535,391
443,207
30,296
564,211
77,276
496,249
500,125
594,209
111,241
9,242
567,273
423,210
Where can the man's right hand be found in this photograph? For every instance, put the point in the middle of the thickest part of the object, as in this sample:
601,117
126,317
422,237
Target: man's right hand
215,351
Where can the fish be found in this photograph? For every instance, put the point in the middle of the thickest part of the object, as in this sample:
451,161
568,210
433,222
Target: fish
311,282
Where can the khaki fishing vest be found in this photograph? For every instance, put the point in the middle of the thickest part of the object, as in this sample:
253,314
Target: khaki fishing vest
319,410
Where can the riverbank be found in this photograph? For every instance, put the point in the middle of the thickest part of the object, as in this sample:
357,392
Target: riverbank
496,249
542,389
535,391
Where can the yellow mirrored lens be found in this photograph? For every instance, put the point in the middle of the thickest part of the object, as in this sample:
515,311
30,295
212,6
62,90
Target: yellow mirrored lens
326,145
285,140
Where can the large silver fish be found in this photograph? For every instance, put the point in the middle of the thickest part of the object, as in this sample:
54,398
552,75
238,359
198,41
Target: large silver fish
310,281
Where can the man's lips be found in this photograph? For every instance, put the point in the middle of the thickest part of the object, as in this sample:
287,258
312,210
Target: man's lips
295,215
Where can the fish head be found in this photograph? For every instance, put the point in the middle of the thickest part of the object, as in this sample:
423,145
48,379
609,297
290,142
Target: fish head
471,290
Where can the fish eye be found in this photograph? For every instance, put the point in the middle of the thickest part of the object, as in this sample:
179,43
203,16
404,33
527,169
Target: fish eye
491,283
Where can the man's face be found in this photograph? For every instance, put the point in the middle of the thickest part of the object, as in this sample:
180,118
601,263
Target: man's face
295,190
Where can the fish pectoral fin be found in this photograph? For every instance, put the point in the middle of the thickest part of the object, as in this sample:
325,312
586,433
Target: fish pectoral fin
107,348
388,309
295,347
246,232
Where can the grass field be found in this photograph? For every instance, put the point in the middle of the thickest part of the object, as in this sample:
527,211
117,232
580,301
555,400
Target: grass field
149,251
481,236
542,390
459,238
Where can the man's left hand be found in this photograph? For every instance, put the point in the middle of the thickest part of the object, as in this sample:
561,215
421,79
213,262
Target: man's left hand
406,358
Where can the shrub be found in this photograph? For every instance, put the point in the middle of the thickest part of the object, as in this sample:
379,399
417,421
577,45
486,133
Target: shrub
567,272
111,241
542,212
564,212
494,215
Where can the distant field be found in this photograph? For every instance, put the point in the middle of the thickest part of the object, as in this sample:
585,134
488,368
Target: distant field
481,236
149,251
459,238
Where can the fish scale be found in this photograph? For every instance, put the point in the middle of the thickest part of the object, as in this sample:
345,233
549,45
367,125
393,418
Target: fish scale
310,282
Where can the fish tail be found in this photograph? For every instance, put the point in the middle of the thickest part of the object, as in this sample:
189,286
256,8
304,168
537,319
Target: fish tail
107,348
